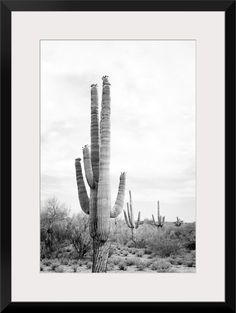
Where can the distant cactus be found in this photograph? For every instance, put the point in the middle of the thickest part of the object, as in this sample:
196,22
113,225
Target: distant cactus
160,219
97,172
178,222
130,218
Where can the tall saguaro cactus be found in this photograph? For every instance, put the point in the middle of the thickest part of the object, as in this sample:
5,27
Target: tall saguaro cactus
130,218
160,219
97,172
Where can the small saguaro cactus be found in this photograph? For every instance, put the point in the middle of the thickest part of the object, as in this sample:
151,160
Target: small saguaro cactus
178,222
130,218
160,219
97,172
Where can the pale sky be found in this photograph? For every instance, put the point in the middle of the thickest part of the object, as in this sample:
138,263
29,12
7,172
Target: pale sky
152,120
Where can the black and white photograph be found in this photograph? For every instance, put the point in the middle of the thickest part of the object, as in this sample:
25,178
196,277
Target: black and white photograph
117,156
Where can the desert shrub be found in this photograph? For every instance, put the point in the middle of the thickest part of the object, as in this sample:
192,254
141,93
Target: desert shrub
147,251
112,250
131,261
184,234
179,261
142,264
189,236
53,222
190,263
164,244
110,266
169,241
59,269
46,262
64,261
118,246
89,265
58,254
120,233
58,230
125,253
122,266
130,244
186,259
118,252
54,265
189,259
191,245
74,268
171,260
176,260
160,265
73,262
165,247
141,243
43,252
148,263
115,260
80,263
143,234
140,253
78,228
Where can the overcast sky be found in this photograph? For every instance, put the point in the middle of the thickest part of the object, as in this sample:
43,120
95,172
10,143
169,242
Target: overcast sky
152,118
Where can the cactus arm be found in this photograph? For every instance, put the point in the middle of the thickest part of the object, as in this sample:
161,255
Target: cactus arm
126,219
94,131
158,210
153,218
103,197
138,220
131,208
129,215
82,192
88,167
119,204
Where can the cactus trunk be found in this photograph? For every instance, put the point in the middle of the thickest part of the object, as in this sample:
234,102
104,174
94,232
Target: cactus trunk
100,255
104,197
97,172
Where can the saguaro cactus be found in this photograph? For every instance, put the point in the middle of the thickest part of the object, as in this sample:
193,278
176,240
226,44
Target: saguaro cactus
160,219
130,218
178,222
97,172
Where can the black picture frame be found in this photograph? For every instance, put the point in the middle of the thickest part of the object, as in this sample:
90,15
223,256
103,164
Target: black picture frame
7,7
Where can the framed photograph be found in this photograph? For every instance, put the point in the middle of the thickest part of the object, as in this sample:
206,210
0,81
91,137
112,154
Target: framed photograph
118,156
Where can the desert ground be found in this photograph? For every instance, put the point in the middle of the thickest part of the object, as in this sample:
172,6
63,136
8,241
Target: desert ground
66,246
